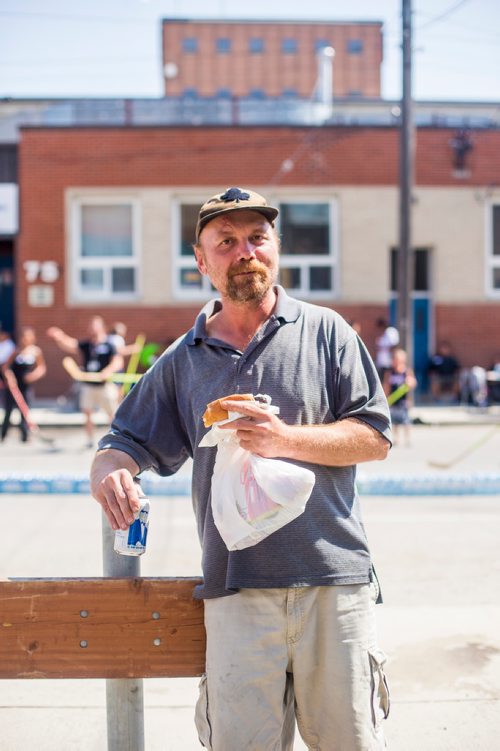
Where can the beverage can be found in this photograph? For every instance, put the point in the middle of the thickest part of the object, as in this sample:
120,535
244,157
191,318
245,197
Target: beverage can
132,541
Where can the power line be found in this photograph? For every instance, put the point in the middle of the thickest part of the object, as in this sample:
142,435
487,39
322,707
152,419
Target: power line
443,15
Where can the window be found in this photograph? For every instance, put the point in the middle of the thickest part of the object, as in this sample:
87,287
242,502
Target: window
190,93
493,256
255,45
104,247
308,251
289,93
224,93
257,94
289,46
320,44
421,275
190,45
223,45
355,46
188,283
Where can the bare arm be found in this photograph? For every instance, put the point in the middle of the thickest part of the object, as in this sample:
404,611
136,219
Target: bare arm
65,342
411,381
112,485
340,444
129,349
39,370
386,383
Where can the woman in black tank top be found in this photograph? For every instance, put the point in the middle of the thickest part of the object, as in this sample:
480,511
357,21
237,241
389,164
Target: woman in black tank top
27,365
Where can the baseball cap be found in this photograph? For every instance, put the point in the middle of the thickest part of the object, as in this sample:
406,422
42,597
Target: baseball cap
233,199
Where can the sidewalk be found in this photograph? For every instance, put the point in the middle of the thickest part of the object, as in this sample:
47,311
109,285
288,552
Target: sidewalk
436,557
468,440
437,560
49,414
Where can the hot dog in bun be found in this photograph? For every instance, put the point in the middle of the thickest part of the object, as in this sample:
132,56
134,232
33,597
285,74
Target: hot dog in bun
214,412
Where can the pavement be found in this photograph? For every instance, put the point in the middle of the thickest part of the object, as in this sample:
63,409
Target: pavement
61,413
437,558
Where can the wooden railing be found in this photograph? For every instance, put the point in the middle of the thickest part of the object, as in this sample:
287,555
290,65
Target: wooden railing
122,627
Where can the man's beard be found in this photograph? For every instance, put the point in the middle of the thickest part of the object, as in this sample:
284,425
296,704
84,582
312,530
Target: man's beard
248,287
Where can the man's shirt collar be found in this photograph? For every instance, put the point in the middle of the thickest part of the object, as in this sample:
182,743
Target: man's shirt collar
287,310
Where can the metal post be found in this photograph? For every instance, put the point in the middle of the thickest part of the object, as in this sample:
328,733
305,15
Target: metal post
124,696
405,258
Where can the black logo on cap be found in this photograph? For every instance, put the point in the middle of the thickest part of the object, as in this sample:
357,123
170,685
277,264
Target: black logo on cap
234,194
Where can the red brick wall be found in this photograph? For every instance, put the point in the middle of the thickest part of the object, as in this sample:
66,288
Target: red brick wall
220,156
240,71
52,160
472,330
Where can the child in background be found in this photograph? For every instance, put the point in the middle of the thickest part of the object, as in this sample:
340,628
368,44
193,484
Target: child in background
400,374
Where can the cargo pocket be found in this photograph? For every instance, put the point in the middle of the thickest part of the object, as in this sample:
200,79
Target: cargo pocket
201,717
380,698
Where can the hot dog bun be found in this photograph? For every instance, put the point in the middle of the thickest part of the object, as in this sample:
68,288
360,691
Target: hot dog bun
214,411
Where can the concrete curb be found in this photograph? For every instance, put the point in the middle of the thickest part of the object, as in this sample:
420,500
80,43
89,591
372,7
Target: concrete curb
373,485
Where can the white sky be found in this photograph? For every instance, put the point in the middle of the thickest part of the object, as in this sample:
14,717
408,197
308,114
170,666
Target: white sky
112,47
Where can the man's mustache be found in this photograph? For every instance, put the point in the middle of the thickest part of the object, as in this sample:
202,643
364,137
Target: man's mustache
243,268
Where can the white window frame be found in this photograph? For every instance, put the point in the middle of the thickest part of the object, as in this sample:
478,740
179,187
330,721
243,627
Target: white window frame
304,262
491,261
179,262
78,262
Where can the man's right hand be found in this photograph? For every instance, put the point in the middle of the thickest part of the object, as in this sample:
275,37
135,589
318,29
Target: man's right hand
112,485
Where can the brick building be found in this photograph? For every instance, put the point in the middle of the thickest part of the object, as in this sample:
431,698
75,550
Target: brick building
269,58
107,218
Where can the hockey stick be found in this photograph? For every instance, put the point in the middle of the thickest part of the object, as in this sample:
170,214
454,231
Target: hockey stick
398,394
466,452
22,405
133,363
74,370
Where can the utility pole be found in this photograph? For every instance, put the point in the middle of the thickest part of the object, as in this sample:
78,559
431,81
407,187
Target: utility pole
406,152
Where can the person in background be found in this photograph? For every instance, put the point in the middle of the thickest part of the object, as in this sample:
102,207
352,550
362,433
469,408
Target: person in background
117,335
396,377
356,325
444,372
493,381
387,339
290,621
26,365
98,355
495,366
7,347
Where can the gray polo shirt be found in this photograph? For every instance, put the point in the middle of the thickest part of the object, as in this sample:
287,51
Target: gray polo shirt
317,371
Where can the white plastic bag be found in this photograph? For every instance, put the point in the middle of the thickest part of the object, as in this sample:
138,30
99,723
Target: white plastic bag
252,496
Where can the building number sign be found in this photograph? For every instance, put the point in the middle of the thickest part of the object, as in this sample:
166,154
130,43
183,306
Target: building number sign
43,271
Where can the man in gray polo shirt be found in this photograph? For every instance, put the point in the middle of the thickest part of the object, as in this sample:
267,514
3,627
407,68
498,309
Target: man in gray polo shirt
290,621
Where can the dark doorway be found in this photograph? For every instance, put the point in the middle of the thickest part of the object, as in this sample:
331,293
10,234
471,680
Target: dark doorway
421,310
7,321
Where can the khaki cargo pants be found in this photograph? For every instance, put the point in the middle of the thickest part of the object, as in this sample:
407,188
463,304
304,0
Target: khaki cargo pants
304,653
